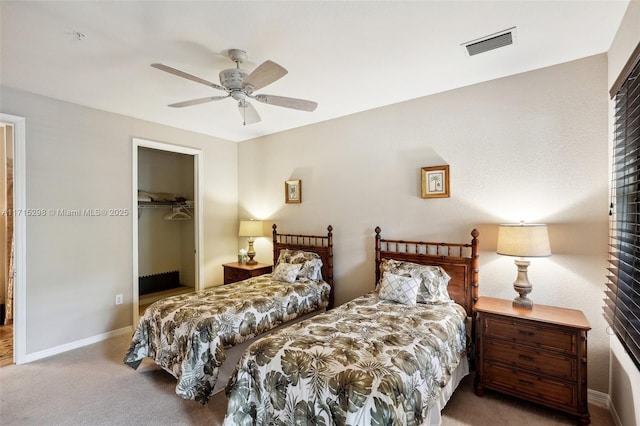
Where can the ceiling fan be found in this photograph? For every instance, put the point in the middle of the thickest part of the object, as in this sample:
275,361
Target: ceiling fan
240,85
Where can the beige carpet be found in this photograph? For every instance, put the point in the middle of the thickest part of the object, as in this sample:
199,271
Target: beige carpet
91,386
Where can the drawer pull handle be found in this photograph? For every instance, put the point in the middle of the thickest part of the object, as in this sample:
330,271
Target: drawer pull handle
524,382
525,333
525,357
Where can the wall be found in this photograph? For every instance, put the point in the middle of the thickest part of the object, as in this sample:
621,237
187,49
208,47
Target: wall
80,158
527,147
624,385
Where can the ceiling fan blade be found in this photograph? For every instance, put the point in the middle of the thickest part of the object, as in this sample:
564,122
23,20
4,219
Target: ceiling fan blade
282,101
188,76
248,113
197,101
265,74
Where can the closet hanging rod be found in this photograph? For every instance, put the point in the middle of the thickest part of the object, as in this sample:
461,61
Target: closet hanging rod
151,205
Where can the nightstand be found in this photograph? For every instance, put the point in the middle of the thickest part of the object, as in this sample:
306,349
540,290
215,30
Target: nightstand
537,354
235,271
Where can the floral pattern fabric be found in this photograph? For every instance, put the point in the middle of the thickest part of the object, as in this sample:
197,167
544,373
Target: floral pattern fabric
434,279
187,335
367,362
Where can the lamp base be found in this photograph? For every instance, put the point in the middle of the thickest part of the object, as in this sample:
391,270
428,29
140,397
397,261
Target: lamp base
522,302
522,286
251,253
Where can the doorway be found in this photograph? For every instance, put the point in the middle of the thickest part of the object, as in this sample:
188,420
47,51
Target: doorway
167,230
6,244
13,189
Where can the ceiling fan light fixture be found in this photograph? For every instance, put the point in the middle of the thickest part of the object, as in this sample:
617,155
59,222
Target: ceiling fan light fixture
232,78
238,95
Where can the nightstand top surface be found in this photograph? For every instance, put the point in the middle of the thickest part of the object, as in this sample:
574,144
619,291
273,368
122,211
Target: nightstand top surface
245,266
542,313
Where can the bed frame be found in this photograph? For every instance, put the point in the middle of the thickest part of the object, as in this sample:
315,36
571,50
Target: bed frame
459,260
323,245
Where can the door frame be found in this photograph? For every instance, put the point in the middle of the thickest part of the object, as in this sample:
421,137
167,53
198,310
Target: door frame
19,240
199,240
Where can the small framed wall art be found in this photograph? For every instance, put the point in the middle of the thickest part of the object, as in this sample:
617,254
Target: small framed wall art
435,182
293,191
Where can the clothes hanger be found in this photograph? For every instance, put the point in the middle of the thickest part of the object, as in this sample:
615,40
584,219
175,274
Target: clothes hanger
178,213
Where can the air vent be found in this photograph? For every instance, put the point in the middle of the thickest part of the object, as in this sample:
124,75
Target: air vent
490,42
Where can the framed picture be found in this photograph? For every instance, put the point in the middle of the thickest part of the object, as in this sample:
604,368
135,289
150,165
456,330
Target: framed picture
435,182
293,191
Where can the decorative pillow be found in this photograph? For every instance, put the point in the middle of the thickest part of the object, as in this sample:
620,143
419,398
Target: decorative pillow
286,272
433,288
399,288
311,263
311,269
433,279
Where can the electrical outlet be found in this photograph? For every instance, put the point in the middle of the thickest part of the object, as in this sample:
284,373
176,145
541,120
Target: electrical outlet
119,299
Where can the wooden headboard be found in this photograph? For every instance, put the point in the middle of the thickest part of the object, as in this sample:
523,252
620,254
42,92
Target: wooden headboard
321,244
459,260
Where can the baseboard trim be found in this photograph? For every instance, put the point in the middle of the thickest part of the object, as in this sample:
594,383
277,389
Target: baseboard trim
614,414
77,344
598,398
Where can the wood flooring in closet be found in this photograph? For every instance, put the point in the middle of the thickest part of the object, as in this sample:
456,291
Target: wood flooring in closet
6,345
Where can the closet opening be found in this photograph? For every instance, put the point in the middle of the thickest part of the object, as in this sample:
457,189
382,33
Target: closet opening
7,287
167,226
13,251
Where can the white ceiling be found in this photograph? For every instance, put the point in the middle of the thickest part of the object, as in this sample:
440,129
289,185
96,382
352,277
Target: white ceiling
349,56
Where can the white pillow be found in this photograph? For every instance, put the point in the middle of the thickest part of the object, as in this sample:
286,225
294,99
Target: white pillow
286,272
399,288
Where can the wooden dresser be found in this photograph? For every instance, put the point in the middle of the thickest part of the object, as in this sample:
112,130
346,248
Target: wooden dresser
537,354
235,271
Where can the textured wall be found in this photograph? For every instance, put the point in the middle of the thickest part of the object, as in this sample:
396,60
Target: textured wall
80,158
529,147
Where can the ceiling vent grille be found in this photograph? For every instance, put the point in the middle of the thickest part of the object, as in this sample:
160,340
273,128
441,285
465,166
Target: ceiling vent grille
490,42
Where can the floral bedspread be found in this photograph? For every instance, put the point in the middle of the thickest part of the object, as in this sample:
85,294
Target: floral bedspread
367,362
187,334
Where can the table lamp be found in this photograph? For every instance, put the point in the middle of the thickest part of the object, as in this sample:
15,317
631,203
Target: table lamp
523,240
251,229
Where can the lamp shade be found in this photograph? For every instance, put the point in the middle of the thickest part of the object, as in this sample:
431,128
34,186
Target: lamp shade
524,240
251,228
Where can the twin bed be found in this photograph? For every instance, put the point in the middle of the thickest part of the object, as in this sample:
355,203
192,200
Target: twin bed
192,335
392,356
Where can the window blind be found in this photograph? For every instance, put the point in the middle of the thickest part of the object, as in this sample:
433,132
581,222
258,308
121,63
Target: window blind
622,295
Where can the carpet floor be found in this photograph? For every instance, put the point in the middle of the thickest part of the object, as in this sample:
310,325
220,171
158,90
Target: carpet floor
91,386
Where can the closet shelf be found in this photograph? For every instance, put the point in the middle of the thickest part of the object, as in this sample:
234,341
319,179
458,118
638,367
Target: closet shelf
153,205
180,209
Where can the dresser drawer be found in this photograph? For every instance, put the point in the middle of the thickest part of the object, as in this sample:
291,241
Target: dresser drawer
233,275
527,332
238,271
539,389
530,359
